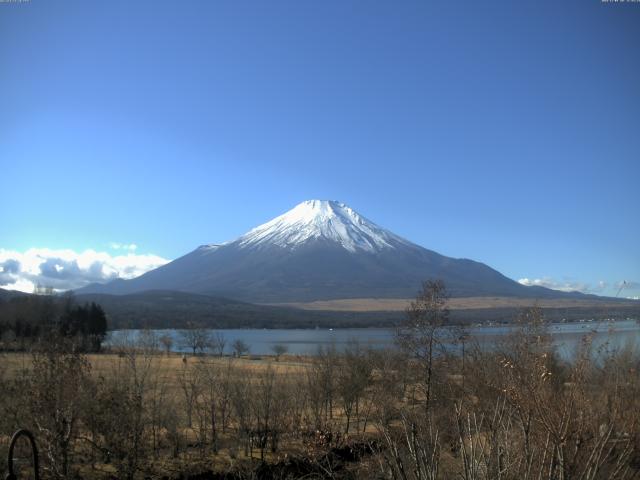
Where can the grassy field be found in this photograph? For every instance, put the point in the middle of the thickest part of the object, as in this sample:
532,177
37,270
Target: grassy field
468,303
170,368
178,383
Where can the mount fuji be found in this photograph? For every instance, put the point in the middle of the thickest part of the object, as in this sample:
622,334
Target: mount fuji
320,250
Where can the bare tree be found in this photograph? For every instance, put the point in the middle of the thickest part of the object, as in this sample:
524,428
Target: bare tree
279,349
147,341
353,377
159,407
421,333
270,409
218,343
167,343
198,339
225,380
213,400
189,381
240,347
241,397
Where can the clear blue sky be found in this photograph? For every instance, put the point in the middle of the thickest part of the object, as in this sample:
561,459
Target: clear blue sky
507,132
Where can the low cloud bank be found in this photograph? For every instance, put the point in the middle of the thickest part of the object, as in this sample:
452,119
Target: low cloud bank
622,288
67,269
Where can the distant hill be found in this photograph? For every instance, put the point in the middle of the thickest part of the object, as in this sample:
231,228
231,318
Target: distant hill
172,309
8,294
321,250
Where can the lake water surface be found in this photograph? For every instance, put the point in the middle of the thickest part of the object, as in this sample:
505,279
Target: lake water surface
566,336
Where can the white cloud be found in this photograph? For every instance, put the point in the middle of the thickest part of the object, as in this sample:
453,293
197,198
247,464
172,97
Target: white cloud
600,288
549,282
66,269
132,247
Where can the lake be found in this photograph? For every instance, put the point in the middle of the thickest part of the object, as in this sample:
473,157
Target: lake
566,336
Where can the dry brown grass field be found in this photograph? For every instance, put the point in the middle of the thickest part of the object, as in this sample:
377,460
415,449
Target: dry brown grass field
516,412
467,303
174,374
170,365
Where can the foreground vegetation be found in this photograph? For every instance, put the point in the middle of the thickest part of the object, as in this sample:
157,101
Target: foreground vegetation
418,412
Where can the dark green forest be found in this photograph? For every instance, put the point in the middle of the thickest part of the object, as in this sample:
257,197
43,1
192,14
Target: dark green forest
29,319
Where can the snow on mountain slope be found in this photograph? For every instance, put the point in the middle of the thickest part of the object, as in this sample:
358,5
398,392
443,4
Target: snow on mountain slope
322,219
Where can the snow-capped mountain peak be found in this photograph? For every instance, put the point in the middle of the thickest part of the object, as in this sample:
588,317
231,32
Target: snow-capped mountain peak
322,220
319,250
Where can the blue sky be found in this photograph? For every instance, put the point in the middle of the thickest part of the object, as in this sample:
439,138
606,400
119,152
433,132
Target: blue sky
507,132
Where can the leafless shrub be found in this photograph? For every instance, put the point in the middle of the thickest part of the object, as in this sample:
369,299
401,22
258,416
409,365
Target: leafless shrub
119,417
411,451
57,384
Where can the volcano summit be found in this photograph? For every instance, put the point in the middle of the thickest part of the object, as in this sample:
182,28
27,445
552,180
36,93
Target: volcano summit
321,250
